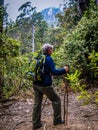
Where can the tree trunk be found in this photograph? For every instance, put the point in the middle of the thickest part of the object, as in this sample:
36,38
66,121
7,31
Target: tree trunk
33,46
82,5
1,31
1,15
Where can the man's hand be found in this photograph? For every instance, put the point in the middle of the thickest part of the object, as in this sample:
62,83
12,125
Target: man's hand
66,68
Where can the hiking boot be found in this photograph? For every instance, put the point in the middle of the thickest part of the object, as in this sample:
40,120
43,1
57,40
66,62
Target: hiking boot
59,123
37,127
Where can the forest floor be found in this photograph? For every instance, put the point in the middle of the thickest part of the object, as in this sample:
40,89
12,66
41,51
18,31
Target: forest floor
16,114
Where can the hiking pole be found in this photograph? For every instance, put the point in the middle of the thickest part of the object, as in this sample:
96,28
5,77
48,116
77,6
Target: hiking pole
44,104
66,87
65,100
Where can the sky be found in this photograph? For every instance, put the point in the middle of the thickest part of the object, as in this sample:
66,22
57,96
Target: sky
39,4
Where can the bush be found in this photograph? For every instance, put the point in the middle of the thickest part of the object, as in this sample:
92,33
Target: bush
13,68
79,45
80,52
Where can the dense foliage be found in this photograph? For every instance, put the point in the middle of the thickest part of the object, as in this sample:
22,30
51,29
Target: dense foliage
13,67
76,44
79,44
80,50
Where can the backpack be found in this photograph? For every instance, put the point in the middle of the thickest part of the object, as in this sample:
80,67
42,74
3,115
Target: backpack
37,69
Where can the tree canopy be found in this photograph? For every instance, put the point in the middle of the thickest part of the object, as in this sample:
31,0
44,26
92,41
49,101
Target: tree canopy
75,39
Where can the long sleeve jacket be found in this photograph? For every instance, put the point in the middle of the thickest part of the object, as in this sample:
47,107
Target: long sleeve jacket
50,69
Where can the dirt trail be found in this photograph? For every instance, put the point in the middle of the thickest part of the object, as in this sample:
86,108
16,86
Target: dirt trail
17,115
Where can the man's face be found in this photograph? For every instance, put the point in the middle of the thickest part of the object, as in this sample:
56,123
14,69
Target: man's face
50,50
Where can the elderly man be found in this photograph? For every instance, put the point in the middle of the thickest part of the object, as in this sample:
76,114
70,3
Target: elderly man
47,89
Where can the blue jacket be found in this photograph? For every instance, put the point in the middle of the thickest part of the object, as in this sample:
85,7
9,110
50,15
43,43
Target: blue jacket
49,69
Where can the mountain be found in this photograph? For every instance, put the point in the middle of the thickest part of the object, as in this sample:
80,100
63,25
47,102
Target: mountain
49,15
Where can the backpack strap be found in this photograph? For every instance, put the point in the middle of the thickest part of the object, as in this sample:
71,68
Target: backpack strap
44,59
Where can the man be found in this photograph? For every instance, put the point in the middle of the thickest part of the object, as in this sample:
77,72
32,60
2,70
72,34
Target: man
46,88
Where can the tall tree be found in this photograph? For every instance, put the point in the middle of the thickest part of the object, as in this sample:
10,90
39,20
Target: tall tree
84,5
1,41
70,16
1,15
32,22
27,12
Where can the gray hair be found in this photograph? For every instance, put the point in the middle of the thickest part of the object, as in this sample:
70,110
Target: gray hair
46,47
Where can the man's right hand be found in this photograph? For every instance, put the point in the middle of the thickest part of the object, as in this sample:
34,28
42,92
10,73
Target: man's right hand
66,68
